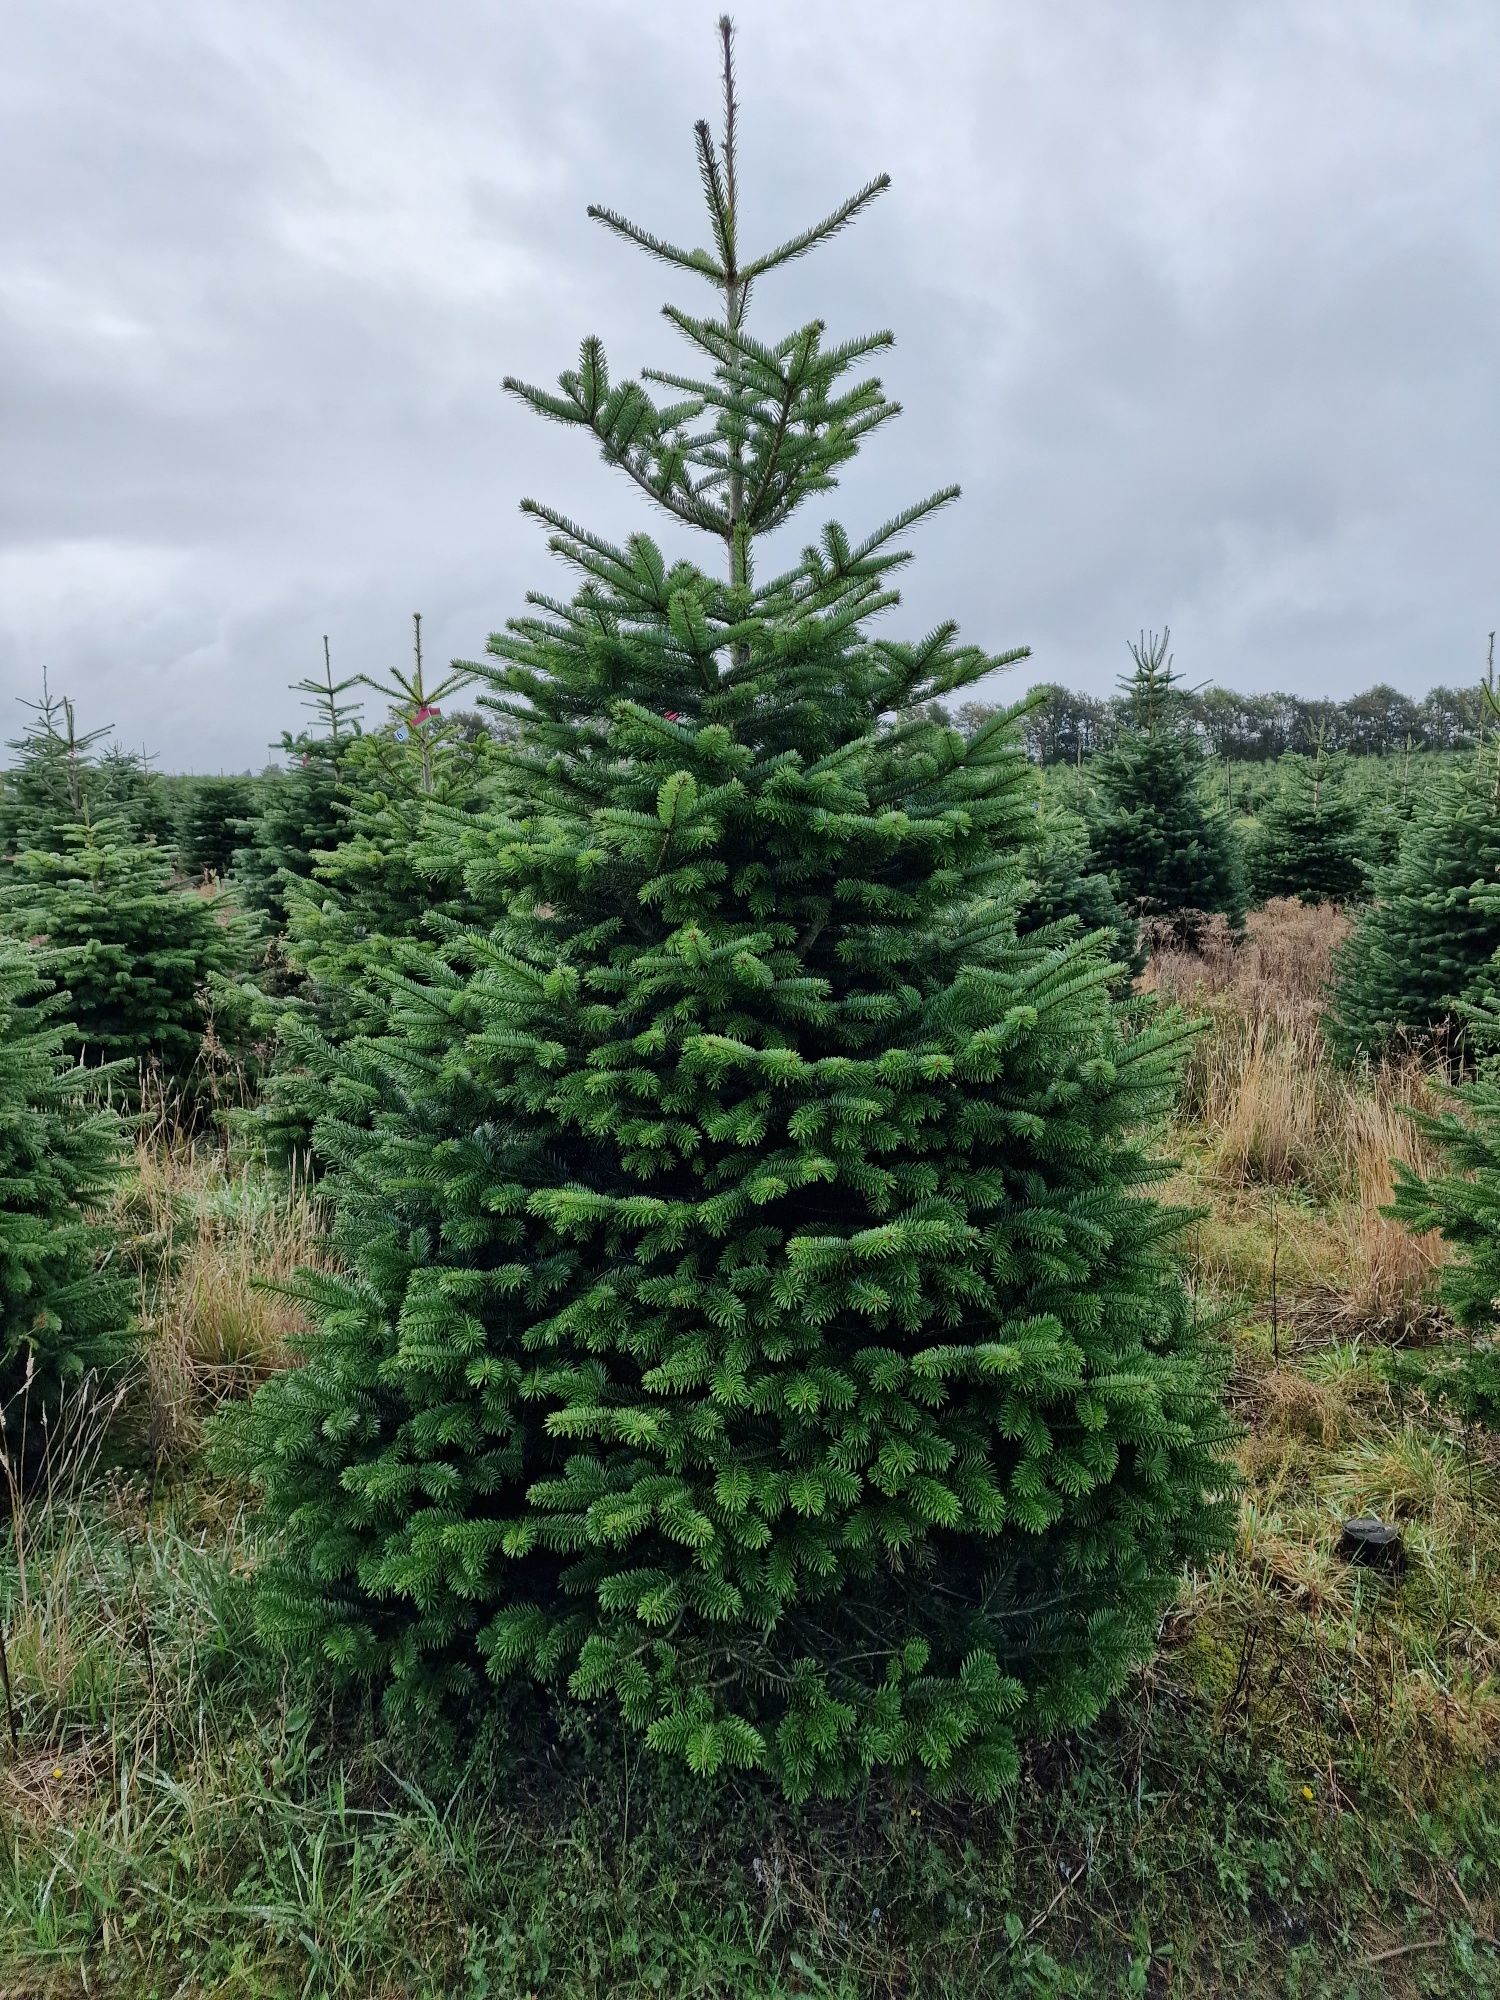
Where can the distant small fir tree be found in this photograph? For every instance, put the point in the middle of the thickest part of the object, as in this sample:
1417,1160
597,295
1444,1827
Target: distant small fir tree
416,715
1310,843
1387,800
210,813
53,782
134,952
1424,945
408,790
127,788
1066,884
755,1313
1171,851
401,860
64,1297
297,814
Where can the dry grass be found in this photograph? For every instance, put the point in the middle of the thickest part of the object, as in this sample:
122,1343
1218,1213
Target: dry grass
1260,1083
1291,1155
73,1617
1283,960
1293,1151
213,1243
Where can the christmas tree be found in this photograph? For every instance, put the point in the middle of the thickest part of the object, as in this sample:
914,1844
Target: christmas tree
1387,798
134,952
125,787
1067,884
297,814
756,1314
1171,851
1311,840
1465,1205
64,1301
1425,943
406,791
54,779
209,815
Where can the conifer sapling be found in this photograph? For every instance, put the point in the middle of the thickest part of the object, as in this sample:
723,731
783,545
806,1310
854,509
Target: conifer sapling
53,780
209,815
1310,840
1423,948
134,951
1464,1204
1171,851
406,790
297,814
64,1300
1068,886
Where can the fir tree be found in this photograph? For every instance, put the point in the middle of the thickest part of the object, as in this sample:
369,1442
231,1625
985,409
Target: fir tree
53,782
1311,839
210,813
756,1314
1171,851
1464,1204
134,952
1387,799
1424,944
125,787
297,814
407,790
416,716
64,1302
1067,886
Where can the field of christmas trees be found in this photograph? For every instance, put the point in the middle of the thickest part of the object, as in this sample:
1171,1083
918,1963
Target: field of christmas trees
686,1312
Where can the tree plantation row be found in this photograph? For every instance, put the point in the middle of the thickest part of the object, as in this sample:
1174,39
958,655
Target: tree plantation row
347,837
206,821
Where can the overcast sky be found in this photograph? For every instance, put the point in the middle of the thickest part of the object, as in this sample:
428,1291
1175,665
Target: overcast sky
1199,303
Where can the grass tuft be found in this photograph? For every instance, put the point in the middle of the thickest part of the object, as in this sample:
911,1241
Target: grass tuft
212,1241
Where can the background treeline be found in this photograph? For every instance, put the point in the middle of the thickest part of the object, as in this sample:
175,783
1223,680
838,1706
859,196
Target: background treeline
1252,728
